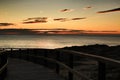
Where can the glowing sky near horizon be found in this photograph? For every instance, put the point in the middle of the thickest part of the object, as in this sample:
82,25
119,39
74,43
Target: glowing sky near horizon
95,15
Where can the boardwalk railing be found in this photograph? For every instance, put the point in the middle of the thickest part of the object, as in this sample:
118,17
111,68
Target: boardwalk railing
64,58
3,65
102,61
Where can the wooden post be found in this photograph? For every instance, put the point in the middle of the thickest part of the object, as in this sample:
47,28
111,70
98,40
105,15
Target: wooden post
11,54
27,56
3,61
70,75
35,54
101,71
45,61
34,58
3,49
20,53
57,65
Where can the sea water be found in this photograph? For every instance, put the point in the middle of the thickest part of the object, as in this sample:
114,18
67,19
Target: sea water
56,41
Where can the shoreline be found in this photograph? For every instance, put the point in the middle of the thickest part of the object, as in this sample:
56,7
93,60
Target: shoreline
96,49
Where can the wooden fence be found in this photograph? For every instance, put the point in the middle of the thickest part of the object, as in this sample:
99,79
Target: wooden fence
3,65
56,57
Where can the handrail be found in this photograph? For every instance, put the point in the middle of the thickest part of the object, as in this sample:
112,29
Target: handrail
62,64
2,51
3,67
96,57
5,64
100,59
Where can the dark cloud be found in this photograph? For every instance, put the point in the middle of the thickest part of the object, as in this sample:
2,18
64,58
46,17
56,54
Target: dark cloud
50,31
88,7
61,19
66,19
78,18
109,31
35,20
59,31
77,30
16,31
111,10
62,29
91,31
6,24
66,10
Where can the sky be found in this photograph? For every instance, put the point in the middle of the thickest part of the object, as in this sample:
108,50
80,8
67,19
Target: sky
60,16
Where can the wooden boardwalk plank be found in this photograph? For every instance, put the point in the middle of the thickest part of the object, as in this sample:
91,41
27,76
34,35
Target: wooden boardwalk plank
23,70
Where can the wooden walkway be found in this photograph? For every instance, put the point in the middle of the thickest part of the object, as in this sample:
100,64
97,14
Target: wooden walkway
23,70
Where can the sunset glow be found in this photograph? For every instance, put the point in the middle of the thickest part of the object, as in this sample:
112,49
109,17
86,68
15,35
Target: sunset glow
75,16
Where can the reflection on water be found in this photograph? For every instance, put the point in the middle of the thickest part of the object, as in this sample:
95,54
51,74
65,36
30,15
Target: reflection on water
54,41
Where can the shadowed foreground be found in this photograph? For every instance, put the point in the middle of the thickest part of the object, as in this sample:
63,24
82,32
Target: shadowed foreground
81,63
23,70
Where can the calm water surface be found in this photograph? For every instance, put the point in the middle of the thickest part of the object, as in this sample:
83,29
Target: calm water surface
54,41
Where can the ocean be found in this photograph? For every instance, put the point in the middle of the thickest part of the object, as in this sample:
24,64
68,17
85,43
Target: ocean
56,41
